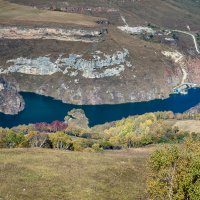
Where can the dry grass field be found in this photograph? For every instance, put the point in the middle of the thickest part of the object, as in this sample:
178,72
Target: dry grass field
12,13
50,174
189,125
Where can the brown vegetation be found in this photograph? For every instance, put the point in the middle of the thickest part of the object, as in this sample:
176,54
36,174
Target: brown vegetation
14,13
50,174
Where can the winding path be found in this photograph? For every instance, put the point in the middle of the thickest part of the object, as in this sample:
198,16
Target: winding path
193,37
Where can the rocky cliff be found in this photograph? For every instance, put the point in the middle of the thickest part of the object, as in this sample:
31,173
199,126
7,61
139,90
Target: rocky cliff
10,101
103,60
98,66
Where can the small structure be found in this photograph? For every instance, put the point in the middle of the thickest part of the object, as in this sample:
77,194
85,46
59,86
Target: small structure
103,21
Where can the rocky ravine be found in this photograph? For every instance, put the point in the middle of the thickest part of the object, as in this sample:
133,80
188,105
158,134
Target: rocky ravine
10,101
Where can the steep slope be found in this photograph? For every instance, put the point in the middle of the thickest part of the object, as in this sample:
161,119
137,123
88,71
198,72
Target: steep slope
87,59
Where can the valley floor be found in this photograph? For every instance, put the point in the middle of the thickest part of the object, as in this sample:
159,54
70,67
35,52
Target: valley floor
50,174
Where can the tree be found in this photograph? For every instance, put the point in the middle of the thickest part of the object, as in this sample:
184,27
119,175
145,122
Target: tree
12,139
37,139
175,173
60,140
51,127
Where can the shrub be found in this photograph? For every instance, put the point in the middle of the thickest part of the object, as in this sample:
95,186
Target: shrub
11,139
96,147
60,140
175,172
37,139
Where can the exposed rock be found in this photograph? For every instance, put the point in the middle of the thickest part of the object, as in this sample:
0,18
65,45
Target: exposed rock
194,110
77,118
136,30
10,100
176,56
12,32
193,67
99,66
91,73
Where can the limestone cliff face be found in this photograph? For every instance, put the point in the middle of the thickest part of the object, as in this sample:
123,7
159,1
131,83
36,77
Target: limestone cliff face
118,69
100,65
10,100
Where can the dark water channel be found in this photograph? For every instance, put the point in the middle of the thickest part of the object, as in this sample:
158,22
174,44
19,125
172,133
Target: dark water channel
45,109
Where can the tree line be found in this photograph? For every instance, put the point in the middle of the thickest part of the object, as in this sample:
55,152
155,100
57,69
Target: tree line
137,131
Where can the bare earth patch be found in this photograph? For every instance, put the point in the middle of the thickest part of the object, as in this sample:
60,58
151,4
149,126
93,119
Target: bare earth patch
189,125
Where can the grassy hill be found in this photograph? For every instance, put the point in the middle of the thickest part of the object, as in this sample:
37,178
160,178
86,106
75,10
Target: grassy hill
12,13
50,174
169,13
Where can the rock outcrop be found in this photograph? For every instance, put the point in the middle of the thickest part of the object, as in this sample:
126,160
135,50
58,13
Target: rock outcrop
136,30
10,100
100,65
194,110
77,118
62,34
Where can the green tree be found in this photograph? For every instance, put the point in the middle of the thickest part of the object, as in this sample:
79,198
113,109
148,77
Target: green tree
12,139
175,173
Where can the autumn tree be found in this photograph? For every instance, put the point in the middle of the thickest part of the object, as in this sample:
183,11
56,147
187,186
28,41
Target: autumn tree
50,127
37,139
60,140
175,173
11,139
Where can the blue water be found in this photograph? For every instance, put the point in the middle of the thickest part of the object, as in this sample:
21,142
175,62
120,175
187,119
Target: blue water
45,109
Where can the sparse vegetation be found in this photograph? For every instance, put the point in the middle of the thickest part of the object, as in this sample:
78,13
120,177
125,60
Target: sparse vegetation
50,174
72,163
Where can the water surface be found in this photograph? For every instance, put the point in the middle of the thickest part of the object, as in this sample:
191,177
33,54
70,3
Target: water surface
46,109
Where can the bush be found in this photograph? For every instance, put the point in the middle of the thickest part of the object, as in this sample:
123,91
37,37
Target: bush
37,139
60,140
96,147
10,139
175,172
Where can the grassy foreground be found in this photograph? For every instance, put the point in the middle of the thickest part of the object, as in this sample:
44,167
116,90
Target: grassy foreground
51,174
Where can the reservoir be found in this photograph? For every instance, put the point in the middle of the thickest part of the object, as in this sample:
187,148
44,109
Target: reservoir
39,108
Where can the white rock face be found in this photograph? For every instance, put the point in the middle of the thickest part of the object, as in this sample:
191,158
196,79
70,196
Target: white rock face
136,30
176,56
1,86
39,66
50,33
98,66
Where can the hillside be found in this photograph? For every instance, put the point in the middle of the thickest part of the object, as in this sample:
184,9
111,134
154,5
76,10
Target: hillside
99,52
52,174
